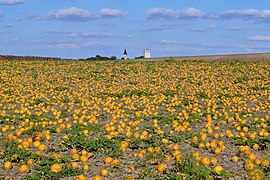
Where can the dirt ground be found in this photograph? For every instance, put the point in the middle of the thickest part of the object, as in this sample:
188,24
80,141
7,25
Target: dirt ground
228,57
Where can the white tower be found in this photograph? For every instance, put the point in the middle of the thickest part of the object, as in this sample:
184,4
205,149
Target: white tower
125,55
146,53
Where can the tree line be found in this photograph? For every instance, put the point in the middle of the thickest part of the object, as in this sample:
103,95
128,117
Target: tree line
99,58
13,57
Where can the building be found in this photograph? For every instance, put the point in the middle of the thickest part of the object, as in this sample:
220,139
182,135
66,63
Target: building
125,56
146,53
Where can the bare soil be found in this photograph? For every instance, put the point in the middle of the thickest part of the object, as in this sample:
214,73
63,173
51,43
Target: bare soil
257,57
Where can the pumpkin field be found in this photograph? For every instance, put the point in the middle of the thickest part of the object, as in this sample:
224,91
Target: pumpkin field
134,120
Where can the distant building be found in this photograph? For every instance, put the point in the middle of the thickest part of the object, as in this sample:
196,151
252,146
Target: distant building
146,53
125,56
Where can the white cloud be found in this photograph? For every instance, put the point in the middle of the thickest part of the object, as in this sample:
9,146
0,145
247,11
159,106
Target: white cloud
162,13
213,26
12,40
9,25
78,14
248,14
97,44
199,29
70,14
262,16
73,45
168,42
67,46
258,46
112,12
254,48
154,29
11,2
259,38
179,49
204,29
190,13
236,29
90,35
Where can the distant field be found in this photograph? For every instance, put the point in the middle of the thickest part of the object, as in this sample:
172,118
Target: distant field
229,57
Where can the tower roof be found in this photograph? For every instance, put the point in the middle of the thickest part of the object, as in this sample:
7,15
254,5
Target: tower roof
125,52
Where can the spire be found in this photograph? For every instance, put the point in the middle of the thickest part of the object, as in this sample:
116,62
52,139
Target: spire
125,56
125,52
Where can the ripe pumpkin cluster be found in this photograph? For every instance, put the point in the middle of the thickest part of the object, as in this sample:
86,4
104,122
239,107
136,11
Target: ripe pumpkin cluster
98,117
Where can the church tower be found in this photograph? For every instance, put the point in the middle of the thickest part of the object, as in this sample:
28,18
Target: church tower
125,55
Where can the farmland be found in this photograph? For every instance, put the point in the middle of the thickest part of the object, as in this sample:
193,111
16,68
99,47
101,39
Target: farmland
255,57
134,120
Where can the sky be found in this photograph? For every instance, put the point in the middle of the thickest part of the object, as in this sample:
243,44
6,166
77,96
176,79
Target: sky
85,28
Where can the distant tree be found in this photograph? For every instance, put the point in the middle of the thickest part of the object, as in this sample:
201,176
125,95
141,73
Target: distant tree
139,57
98,57
90,59
113,57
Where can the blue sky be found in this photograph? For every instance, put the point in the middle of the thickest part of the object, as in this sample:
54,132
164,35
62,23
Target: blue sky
84,28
